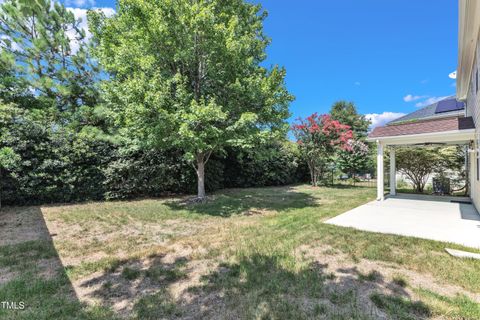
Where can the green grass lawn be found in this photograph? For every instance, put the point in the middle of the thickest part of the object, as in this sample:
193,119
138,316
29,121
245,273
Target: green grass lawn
247,253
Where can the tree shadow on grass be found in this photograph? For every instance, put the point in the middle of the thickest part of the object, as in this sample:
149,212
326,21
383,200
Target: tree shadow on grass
32,272
261,286
138,286
250,201
257,286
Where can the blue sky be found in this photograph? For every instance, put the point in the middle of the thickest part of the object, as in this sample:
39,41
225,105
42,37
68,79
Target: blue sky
389,57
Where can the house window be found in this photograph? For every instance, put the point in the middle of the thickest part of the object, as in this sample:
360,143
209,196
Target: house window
478,156
476,81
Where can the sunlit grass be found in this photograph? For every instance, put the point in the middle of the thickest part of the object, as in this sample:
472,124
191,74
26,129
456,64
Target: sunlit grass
254,235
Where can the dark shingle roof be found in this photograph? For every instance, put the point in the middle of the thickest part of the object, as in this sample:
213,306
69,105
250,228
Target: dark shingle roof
425,113
426,126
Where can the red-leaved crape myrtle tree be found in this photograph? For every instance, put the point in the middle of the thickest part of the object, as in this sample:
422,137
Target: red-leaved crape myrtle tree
319,138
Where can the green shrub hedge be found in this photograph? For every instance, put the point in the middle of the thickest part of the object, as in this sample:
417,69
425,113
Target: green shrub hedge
61,166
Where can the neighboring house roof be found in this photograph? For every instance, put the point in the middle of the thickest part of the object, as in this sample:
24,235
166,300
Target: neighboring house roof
430,111
427,126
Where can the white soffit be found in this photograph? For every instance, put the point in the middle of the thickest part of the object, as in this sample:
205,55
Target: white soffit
468,32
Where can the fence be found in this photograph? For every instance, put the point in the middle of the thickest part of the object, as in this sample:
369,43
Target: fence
368,183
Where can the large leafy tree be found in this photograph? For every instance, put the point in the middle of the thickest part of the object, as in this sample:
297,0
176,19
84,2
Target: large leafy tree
320,138
43,47
346,112
447,162
188,74
418,164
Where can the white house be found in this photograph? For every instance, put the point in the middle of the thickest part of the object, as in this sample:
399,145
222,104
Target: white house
468,85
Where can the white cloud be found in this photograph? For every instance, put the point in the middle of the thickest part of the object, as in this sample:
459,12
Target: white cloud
357,83
424,81
426,100
79,13
410,98
380,119
82,15
429,101
80,3
453,75
13,45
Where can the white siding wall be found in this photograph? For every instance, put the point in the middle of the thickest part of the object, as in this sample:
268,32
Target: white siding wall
473,110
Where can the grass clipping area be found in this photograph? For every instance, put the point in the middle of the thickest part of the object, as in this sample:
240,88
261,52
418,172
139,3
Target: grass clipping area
246,253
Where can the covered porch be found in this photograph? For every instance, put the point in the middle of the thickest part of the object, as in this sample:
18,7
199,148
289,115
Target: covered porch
449,131
441,218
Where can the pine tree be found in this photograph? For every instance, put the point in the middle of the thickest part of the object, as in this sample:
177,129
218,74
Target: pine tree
42,42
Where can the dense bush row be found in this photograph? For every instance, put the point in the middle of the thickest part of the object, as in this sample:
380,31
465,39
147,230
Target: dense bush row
58,166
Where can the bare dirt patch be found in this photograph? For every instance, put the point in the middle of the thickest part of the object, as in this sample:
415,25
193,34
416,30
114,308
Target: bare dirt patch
341,265
191,242
76,244
136,278
46,268
22,224
6,275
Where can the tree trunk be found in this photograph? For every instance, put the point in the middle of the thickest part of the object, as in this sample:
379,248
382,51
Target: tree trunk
418,186
312,172
201,176
421,187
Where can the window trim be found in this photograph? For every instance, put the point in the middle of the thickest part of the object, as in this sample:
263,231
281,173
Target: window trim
477,149
476,81
478,169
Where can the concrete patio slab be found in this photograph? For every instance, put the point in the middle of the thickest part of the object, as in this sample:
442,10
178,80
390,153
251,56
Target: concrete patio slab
462,254
427,217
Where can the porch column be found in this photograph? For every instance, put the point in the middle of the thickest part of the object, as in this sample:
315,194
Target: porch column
379,170
393,172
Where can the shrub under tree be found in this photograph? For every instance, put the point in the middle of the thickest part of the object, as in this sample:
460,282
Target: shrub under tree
354,158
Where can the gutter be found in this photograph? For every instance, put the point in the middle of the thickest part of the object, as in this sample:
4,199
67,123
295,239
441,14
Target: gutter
441,136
